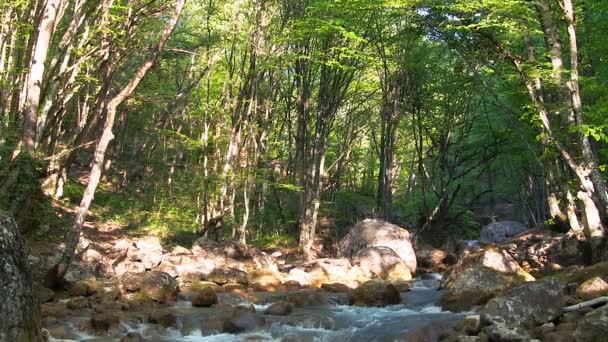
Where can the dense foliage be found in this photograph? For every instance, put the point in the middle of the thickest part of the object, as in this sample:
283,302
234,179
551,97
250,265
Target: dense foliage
287,119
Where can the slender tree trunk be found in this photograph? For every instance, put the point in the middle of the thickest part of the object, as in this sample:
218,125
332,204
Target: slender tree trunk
589,158
576,152
575,228
36,73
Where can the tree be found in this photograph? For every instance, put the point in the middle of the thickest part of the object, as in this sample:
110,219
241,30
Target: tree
57,273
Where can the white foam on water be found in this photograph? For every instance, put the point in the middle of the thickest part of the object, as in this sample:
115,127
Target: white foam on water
432,309
334,323
260,307
182,304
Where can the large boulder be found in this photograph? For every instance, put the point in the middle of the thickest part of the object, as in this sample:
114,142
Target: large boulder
375,293
149,252
280,308
87,287
594,287
223,276
20,309
127,266
398,274
132,336
226,248
498,232
242,320
204,298
501,331
543,251
104,324
307,297
475,286
131,282
186,265
477,277
593,327
159,286
377,260
429,257
263,279
375,233
529,304
493,258
163,317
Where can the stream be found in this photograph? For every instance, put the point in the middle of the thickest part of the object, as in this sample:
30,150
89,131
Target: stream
335,323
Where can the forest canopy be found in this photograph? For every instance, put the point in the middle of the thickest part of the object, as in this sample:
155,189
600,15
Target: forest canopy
273,121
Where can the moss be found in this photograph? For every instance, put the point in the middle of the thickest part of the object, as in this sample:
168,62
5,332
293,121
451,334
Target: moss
580,275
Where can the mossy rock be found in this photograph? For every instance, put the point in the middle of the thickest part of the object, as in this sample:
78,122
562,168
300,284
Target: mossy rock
582,274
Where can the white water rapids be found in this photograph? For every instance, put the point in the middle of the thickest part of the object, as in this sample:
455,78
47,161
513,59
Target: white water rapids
332,323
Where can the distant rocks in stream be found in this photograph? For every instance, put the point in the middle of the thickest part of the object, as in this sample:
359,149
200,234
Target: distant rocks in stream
501,231
379,233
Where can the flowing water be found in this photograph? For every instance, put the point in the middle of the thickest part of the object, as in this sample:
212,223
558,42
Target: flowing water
333,323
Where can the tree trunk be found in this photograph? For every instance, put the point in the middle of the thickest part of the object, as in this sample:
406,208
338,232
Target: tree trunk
36,73
589,158
73,235
575,228
21,311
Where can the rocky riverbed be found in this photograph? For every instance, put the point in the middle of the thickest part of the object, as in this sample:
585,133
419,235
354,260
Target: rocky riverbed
522,288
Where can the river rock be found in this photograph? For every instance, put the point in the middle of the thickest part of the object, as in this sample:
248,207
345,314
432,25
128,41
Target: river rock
475,286
307,297
159,286
378,260
479,276
226,248
131,282
292,285
529,304
438,331
44,294
129,266
336,287
593,327
303,278
77,303
493,258
375,233
163,317
104,323
204,298
18,305
121,246
594,287
280,308
543,251
132,337
398,274
150,252
375,293
223,276
498,232
168,268
470,324
430,257
242,320
84,288
91,256
237,288
500,331
189,290
263,279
